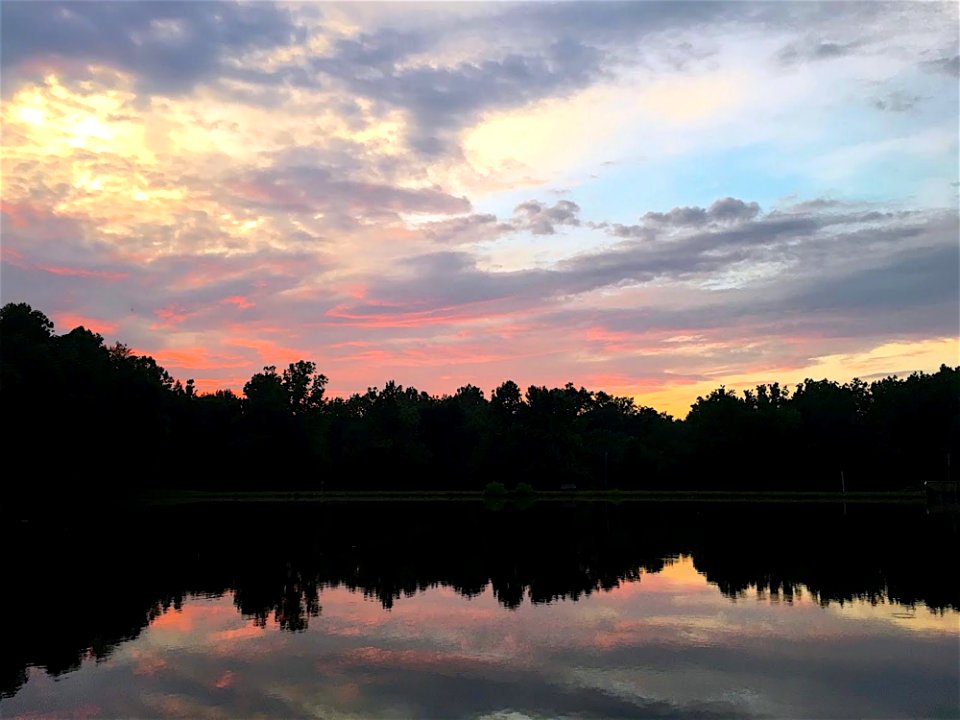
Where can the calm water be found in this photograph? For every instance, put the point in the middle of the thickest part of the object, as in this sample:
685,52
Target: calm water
417,610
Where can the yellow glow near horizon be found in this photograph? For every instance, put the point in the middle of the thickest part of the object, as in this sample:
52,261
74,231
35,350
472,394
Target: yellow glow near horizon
898,358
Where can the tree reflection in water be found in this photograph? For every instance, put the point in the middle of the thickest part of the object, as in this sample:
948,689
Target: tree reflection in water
72,591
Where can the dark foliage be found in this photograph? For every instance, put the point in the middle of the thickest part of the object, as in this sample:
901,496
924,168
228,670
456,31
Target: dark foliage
95,421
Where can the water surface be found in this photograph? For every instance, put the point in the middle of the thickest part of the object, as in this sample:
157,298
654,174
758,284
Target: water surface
445,610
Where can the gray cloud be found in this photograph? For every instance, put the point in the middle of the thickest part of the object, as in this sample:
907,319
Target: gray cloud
816,204
921,282
538,50
308,189
732,210
467,229
542,219
532,50
168,46
726,211
847,261
543,49
444,99
813,49
946,65
896,102
909,295
678,216
533,216
629,231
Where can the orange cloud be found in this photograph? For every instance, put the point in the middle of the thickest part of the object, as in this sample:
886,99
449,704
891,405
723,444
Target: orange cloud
195,616
179,620
197,358
70,320
211,385
270,352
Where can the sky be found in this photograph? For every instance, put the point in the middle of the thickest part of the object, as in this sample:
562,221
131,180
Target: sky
651,199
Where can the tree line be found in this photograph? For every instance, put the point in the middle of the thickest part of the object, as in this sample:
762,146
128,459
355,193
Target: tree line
72,404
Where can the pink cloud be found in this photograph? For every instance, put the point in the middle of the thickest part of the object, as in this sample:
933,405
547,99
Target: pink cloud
369,315
147,663
170,315
68,321
22,215
82,272
241,633
239,300
81,712
224,681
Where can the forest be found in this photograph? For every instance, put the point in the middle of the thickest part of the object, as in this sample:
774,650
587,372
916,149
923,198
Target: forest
84,418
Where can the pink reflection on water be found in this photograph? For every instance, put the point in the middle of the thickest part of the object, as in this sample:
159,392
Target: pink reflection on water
81,712
667,637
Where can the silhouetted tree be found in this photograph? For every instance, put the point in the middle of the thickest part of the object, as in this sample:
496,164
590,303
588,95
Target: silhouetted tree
70,397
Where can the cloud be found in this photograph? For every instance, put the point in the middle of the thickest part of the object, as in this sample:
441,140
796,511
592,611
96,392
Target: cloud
813,49
791,247
946,65
469,229
169,47
532,216
542,219
627,231
726,211
441,100
896,102
309,189
732,210
355,182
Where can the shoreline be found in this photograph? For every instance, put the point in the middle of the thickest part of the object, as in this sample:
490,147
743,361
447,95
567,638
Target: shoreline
179,497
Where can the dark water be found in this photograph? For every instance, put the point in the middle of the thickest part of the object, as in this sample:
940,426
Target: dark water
453,610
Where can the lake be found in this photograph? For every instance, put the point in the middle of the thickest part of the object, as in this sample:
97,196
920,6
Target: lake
417,609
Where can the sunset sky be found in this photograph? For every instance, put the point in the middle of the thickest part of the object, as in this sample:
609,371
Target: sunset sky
649,199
